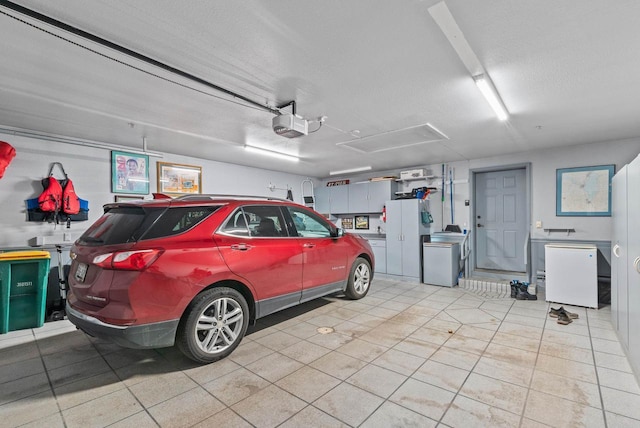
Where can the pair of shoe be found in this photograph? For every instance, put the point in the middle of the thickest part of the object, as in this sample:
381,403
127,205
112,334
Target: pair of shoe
564,316
520,291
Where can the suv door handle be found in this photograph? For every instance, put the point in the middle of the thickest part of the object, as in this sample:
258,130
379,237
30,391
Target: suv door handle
240,247
309,245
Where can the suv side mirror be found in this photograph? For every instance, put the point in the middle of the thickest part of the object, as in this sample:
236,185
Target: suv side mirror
337,232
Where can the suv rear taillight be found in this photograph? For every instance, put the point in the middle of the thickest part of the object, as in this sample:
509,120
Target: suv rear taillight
127,260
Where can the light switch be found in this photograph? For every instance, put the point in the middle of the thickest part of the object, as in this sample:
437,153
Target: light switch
538,224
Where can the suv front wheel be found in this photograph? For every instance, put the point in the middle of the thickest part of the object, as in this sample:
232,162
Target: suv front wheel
214,325
359,279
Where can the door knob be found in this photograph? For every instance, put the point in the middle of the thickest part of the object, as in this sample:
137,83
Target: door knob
479,225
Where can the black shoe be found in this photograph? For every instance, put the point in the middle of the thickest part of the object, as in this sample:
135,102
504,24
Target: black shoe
514,288
523,294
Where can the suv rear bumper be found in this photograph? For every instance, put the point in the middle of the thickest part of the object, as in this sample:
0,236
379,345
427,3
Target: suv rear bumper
154,335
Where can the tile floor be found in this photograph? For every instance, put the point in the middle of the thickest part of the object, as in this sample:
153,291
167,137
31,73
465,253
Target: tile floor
406,355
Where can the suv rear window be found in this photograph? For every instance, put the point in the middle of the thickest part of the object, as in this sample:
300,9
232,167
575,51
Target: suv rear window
129,224
178,220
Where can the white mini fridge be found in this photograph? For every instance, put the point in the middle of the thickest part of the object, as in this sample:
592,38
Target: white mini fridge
571,272
440,263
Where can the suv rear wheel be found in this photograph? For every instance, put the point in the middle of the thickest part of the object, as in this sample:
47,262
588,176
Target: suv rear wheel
214,325
359,279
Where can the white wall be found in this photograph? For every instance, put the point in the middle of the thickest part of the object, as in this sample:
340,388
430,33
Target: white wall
543,186
90,170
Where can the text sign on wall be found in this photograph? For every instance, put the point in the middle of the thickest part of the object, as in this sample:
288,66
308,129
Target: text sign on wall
337,183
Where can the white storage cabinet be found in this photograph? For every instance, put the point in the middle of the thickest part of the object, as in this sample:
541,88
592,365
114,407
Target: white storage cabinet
625,261
404,233
379,248
332,199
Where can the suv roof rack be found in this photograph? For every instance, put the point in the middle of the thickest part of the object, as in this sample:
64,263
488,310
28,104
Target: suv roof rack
202,197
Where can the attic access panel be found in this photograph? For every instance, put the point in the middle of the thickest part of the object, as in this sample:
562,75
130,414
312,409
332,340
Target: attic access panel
392,140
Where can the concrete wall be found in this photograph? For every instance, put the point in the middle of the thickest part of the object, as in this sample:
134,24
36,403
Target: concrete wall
90,170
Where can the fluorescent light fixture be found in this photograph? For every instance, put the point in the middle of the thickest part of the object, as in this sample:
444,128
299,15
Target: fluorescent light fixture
349,171
271,153
74,141
491,95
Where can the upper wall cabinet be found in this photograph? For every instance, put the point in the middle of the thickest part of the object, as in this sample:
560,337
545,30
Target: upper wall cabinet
332,199
359,197
379,193
355,198
370,196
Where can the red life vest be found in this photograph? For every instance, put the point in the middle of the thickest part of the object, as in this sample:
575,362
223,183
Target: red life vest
50,200
7,153
58,197
70,201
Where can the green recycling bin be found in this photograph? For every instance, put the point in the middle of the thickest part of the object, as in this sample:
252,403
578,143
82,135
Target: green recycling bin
23,284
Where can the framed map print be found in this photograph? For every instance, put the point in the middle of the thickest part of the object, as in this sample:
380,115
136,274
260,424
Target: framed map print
584,191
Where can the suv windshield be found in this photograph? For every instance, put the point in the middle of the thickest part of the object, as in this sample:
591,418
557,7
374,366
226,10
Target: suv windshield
129,224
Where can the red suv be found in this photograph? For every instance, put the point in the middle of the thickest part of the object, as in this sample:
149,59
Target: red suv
195,270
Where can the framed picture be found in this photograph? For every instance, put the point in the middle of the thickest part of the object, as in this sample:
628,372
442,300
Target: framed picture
129,173
362,222
584,191
121,198
177,178
347,223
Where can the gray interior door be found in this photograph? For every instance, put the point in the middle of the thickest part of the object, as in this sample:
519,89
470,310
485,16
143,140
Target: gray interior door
501,220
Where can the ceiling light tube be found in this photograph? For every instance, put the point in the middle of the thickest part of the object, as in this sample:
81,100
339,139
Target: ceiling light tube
271,153
69,140
348,171
491,95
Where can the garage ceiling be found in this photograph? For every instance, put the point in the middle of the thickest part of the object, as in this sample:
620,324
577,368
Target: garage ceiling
394,90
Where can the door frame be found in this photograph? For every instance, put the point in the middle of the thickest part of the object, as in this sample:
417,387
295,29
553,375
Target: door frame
472,190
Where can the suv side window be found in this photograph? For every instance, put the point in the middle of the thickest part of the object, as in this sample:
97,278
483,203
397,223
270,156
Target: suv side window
309,225
238,223
256,221
269,221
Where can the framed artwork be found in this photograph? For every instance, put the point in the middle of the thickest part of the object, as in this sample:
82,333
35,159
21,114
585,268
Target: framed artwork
129,173
177,178
584,191
121,198
347,223
362,222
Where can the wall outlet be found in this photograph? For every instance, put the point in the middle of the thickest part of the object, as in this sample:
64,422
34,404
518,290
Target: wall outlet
538,224
66,237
